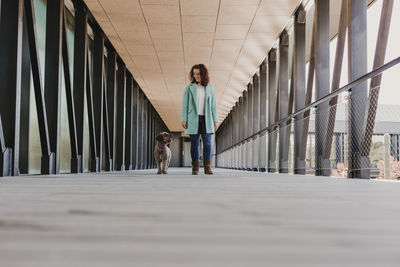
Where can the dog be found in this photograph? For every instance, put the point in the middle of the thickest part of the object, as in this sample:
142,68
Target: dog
162,153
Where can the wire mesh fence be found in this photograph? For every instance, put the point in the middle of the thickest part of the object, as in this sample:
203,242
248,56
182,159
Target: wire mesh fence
346,134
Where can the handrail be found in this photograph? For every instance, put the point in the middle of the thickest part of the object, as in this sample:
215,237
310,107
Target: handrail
347,87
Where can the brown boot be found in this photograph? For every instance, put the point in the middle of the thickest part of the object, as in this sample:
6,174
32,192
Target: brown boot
195,167
207,167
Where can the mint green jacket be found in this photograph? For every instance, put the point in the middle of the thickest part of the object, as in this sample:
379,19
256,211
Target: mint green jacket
189,109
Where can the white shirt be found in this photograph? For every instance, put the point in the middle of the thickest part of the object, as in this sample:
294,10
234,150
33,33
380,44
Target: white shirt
201,94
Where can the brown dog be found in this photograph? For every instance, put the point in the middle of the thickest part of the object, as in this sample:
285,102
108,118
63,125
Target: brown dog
162,153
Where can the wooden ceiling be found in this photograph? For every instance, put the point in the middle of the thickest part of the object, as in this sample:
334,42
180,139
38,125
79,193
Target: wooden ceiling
159,40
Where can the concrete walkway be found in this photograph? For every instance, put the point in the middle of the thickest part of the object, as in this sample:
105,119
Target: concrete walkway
232,218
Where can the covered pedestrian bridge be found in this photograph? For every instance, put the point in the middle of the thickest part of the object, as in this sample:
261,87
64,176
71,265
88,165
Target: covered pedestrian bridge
307,97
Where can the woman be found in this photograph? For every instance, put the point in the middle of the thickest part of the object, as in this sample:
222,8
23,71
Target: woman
199,116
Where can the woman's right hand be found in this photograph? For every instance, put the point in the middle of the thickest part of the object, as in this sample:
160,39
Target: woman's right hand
184,124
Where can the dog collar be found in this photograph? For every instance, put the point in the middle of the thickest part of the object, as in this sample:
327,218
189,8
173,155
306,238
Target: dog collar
161,147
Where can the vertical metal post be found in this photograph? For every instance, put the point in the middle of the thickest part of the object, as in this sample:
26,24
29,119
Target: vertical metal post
53,75
145,123
256,120
299,83
262,160
25,103
249,126
245,127
111,77
241,133
128,123
153,135
358,164
11,30
309,87
94,163
119,122
98,91
80,55
283,100
148,139
47,160
135,126
234,135
337,70
140,131
322,83
70,102
237,141
272,97
107,149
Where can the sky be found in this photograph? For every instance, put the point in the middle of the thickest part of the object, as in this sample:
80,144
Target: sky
390,89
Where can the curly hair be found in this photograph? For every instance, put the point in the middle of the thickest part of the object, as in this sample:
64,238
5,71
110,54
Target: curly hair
205,79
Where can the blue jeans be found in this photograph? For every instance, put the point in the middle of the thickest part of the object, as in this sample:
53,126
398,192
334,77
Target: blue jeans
194,146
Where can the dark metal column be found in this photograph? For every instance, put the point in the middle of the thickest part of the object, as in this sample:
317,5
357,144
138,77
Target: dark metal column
25,104
128,123
256,120
93,158
249,126
283,100
236,131
119,122
245,127
337,70
53,75
148,139
241,133
70,102
135,128
262,163
322,84
10,87
233,135
145,124
309,87
358,165
140,131
272,97
80,55
47,160
108,166
98,91
110,98
152,136
299,83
